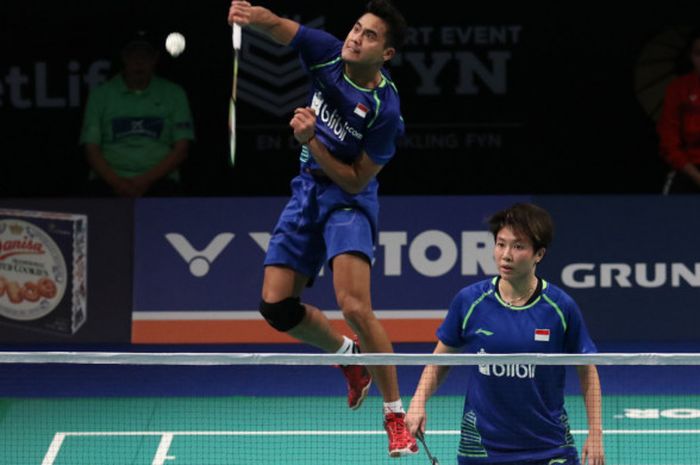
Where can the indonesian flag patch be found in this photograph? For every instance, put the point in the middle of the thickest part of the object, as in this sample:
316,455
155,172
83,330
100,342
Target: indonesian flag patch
361,110
542,335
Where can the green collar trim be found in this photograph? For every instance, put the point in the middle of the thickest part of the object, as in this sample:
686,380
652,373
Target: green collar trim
473,306
323,65
522,307
382,83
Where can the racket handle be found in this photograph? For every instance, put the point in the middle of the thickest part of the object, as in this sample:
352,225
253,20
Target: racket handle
236,36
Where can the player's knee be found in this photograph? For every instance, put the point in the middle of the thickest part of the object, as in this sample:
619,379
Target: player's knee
354,315
355,311
284,315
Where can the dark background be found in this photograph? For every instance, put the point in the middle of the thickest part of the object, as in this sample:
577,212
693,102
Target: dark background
568,121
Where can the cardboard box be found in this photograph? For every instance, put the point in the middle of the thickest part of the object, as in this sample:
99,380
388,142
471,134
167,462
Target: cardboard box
43,270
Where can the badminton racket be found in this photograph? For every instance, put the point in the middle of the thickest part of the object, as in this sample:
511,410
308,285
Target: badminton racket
433,460
236,39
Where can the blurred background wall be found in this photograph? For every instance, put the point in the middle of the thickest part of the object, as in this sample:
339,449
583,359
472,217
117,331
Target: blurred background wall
497,98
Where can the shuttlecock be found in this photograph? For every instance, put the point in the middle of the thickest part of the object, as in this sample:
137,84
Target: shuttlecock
175,43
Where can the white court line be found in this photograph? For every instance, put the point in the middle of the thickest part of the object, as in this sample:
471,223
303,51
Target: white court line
167,437
163,448
55,446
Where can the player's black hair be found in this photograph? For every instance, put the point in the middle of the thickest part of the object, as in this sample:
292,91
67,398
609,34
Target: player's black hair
528,219
397,28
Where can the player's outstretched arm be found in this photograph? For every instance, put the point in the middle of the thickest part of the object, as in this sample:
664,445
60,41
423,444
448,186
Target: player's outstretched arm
430,380
281,30
592,453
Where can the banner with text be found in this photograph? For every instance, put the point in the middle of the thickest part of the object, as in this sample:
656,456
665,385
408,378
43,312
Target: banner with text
198,265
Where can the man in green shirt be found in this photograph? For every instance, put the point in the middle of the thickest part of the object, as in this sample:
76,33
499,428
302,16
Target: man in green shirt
137,128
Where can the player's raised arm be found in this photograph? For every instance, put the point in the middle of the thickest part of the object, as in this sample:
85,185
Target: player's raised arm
281,30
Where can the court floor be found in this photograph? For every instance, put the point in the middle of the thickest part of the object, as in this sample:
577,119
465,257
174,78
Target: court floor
310,430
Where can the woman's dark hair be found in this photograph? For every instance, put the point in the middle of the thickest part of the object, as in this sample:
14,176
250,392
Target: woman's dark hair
527,219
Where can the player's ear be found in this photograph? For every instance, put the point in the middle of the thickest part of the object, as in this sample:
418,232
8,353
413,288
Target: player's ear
539,255
389,53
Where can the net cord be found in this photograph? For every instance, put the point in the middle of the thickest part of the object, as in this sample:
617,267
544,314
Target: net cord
212,358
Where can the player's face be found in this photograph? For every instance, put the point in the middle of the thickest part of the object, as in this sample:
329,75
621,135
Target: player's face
695,55
366,42
139,63
515,255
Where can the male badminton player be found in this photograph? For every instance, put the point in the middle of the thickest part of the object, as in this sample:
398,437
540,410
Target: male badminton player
348,133
515,413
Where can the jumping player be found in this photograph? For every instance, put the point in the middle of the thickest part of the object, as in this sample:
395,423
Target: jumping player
348,133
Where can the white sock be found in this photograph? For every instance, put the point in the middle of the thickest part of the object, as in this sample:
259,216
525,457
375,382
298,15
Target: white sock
393,407
347,346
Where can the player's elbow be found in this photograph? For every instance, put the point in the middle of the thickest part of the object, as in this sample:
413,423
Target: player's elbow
355,185
358,180
283,30
354,189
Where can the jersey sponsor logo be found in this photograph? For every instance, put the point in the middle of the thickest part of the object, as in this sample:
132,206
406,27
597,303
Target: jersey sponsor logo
514,370
485,332
542,335
331,118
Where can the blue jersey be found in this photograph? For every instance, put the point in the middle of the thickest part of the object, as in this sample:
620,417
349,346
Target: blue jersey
321,220
350,118
514,412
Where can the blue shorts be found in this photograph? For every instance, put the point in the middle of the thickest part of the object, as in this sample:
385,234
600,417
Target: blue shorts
319,222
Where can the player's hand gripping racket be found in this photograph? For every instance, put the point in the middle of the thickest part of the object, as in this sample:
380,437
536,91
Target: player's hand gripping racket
433,460
236,37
